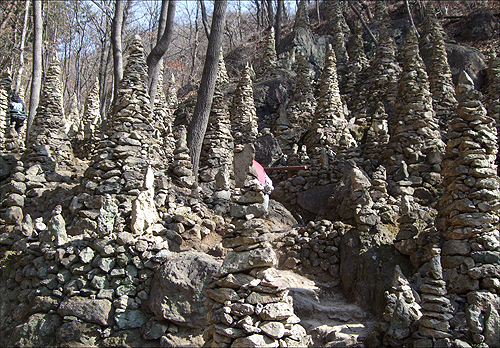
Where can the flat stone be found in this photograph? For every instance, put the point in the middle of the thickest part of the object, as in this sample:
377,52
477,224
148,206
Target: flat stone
276,311
273,329
94,311
245,260
255,340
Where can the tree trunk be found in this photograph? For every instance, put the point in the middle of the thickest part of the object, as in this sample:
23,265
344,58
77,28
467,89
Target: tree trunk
279,21
195,47
204,18
360,16
162,22
17,83
198,125
116,41
159,50
270,13
317,11
37,65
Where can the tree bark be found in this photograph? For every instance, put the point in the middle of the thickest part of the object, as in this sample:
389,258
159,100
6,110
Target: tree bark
204,18
270,13
17,83
162,22
116,42
37,65
360,16
279,21
198,125
159,50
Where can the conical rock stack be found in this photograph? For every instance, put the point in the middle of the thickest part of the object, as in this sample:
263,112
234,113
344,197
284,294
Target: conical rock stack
269,59
243,114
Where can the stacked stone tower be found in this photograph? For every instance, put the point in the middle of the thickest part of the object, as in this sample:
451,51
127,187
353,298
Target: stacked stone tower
49,147
441,84
249,301
73,118
430,26
415,135
355,68
171,96
218,144
269,59
4,110
301,17
91,119
377,136
243,114
494,104
119,163
469,216
222,75
300,111
329,129
339,46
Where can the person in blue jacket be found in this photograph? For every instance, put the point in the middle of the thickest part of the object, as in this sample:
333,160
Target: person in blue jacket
17,112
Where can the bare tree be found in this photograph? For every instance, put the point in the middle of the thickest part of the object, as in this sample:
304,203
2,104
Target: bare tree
116,42
270,12
159,50
198,125
17,82
279,21
204,18
36,77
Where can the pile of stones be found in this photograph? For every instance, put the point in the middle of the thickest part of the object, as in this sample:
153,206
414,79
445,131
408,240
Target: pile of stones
244,126
90,125
182,166
494,103
314,249
4,109
249,301
269,59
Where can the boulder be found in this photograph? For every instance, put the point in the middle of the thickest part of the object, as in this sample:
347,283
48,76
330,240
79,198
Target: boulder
177,288
93,311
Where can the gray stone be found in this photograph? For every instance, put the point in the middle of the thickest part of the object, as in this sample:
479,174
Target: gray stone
276,311
255,340
107,214
130,319
177,288
93,311
241,261
222,295
273,329
492,327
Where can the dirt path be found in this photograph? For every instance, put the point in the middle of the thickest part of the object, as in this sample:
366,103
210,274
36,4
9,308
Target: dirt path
326,315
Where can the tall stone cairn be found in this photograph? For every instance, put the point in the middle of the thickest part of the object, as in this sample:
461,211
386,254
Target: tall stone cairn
118,164
91,119
243,114
380,10
377,136
355,68
218,144
298,116
222,76
381,83
73,118
248,299
269,59
339,45
301,16
494,102
436,307
171,96
4,110
469,215
441,84
336,17
49,145
329,129
431,26
182,166
415,136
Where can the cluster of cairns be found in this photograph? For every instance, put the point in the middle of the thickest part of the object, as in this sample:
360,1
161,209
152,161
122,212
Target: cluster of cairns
392,145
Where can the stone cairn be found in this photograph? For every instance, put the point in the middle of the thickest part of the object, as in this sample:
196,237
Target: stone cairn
329,129
380,10
381,81
73,119
401,311
377,136
441,84
222,75
356,67
301,17
269,59
218,144
339,45
430,27
91,119
299,112
243,114
469,217
118,165
182,166
415,135
494,104
171,96
436,307
336,19
248,300
49,156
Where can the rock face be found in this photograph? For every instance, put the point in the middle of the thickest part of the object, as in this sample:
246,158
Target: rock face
178,288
